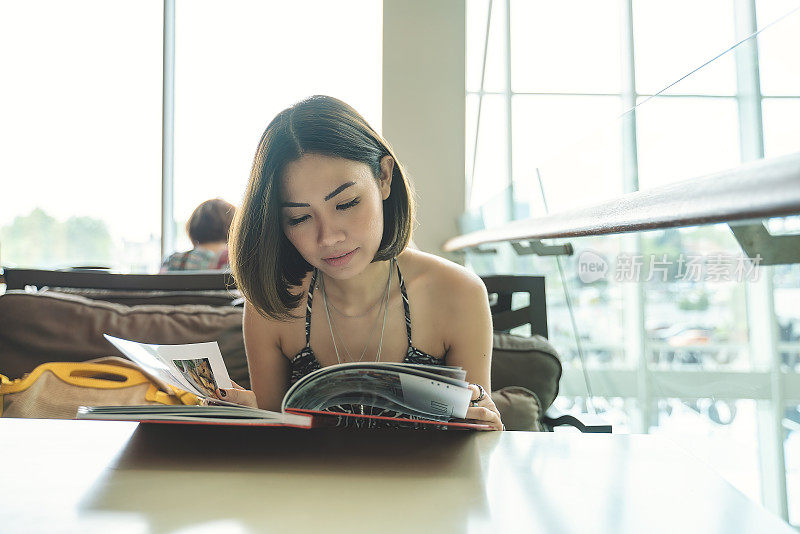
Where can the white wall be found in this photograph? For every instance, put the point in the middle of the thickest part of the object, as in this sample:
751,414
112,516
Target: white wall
424,108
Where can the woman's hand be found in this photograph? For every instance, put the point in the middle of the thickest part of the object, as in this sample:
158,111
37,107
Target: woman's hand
483,410
238,395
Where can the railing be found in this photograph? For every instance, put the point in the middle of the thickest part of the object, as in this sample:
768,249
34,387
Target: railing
758,190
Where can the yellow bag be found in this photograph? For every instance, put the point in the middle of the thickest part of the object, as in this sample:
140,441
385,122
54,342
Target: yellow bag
55,390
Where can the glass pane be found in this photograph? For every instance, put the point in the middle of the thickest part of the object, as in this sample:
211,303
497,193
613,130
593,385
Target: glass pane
681,138
477,11
471,122
779,63
574,142
721,433
781,118
784,225
80,135
791,451
228,88
491,165
786,292
597,301
695,309
565,46
670,43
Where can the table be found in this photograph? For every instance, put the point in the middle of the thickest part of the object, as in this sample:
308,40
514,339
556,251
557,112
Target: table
121,477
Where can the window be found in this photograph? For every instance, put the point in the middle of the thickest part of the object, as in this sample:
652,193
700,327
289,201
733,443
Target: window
237,67
81,126
553,107
80,153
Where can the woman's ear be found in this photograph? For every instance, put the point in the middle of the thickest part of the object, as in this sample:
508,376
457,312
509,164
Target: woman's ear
385,178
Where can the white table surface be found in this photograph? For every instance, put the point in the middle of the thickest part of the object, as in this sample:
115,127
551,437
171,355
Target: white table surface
119,477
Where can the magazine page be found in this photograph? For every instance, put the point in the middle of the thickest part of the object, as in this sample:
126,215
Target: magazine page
438,397
450,376
356,386
456,373
200,363
197,367
198,414
390,386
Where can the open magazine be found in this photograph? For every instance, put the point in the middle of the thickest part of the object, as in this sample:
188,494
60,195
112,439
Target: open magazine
349,394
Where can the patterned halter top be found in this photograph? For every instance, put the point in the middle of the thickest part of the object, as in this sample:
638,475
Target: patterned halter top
306,362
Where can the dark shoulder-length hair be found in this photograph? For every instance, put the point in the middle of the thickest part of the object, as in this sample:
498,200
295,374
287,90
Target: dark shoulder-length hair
210,222
264,263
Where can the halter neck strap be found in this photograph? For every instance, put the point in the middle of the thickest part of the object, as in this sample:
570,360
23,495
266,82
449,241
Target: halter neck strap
406,306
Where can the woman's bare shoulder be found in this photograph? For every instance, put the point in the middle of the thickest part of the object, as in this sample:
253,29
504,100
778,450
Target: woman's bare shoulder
417,265
435,276
445,300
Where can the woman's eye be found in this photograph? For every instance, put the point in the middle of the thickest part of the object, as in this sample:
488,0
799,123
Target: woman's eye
348,205
297,220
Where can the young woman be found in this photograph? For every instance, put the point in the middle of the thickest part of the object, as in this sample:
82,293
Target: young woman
319,249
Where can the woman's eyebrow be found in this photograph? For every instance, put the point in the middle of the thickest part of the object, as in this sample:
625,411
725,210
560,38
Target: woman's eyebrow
327,197
338,190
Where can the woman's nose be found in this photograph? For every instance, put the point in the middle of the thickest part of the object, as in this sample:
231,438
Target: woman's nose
329,235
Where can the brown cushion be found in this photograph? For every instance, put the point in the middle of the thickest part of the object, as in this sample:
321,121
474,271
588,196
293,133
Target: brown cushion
519,408
530,362
50,327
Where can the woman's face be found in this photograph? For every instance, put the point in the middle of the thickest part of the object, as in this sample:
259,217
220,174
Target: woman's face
332,211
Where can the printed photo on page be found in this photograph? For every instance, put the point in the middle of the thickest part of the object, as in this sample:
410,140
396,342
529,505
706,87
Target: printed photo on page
201,364
197,367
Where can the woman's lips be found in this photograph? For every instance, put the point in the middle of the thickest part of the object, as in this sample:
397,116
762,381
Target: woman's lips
339,261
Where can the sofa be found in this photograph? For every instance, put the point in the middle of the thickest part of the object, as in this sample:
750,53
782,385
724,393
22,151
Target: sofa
67,325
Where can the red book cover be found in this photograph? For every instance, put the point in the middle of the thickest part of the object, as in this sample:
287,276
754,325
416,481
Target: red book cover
332,419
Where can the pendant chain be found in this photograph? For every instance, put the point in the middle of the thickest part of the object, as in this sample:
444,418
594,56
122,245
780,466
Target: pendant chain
335,333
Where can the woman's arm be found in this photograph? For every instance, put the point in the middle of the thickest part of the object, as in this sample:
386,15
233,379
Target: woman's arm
268,366
469,339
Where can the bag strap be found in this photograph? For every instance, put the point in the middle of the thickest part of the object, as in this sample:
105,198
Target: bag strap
111,375
84,374
124,362
163,388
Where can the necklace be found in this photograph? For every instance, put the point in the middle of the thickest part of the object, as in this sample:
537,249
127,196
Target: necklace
335,333
383,327
337,310
369,423
356,316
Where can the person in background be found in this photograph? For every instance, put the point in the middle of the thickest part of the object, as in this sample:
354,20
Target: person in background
208,229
